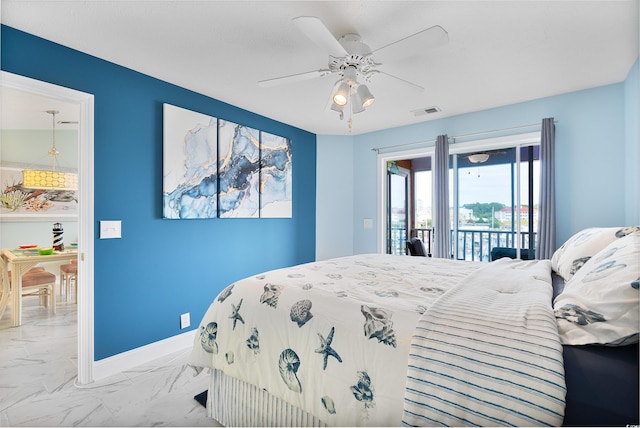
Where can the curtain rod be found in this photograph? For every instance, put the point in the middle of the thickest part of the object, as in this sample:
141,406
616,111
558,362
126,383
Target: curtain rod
453,138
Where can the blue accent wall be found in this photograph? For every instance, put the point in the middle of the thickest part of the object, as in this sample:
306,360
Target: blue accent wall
162,268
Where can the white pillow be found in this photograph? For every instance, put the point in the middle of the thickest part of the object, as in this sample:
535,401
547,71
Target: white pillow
578,249
600,303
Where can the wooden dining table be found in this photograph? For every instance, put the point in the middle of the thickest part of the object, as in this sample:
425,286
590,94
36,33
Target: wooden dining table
20,261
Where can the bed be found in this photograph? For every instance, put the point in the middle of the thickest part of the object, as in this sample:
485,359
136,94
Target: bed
382,340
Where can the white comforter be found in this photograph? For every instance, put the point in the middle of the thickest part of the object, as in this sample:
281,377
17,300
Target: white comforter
330,337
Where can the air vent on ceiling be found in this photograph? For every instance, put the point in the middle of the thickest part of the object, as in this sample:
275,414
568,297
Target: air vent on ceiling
427,110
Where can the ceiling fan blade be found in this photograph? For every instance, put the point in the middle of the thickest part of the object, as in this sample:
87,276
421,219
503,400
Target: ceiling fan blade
293,78
415,44
411,85
314,29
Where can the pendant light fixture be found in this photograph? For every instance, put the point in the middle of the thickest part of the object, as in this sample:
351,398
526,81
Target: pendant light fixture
50,179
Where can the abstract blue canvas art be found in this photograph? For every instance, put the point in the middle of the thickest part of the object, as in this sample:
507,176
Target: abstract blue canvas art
216,168
190,155
239,170
275,176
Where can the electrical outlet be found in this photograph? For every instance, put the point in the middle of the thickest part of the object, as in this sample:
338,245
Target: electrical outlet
185,320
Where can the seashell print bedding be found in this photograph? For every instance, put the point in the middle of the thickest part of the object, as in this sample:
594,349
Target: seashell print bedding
330,337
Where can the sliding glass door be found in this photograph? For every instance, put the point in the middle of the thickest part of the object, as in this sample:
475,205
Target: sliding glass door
495,201
493,198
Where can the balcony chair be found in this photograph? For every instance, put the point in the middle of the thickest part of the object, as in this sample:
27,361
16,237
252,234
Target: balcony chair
416,247
36,282
68,274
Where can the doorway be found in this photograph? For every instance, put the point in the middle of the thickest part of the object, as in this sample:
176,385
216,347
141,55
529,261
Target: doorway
85,206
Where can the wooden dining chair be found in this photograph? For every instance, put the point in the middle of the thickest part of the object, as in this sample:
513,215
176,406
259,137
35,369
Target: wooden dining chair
36,282
68,274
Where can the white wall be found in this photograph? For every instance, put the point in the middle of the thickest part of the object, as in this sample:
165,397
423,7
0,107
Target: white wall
334,197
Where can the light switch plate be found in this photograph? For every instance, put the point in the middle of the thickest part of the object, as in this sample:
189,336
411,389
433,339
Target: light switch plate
185,320
110,229
368,223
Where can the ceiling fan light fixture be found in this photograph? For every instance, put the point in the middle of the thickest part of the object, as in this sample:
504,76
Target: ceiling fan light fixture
364,96
350,75
341,96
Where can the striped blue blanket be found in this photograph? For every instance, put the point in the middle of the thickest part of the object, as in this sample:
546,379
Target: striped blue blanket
487,353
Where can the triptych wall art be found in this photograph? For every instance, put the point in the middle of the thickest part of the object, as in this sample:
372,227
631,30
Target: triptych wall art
216,168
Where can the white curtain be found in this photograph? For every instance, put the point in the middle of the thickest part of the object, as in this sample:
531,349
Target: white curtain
441,228
547,206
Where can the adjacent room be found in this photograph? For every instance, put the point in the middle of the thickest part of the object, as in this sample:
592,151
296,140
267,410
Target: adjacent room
344,213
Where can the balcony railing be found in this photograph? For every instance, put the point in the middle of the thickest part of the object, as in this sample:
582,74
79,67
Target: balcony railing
399,239
473,245
477,244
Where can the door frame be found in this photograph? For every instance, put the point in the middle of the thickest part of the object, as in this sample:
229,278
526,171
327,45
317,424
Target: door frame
408,206
382,186
86,231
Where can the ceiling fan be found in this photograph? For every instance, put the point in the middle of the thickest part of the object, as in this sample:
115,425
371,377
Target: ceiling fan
353,61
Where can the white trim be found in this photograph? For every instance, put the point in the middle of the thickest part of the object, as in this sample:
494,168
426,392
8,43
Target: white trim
85,243
144,354
85,215
383,158
495,143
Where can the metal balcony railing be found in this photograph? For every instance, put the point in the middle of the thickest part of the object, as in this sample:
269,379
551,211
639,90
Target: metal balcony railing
473,245
477,244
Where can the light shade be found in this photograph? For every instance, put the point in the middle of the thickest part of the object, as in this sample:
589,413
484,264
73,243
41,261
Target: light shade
365,98
51,180
478,157
356,103
341,97
336,107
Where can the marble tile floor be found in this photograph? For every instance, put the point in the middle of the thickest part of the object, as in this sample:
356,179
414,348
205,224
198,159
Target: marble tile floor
38,367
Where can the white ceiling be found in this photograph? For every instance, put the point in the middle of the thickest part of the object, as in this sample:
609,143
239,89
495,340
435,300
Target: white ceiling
23,110
499,52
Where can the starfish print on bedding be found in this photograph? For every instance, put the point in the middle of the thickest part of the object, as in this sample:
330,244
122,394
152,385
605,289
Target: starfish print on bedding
326,349
235,315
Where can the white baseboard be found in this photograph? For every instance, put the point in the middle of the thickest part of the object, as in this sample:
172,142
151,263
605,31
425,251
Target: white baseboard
144,354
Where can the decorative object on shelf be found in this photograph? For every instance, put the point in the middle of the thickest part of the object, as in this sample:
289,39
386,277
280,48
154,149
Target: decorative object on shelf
392,167
58,244
216,168
53,178
19,203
